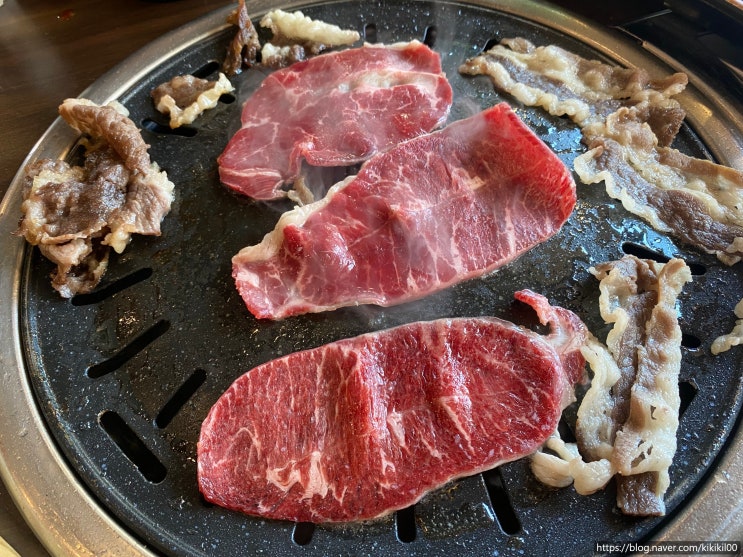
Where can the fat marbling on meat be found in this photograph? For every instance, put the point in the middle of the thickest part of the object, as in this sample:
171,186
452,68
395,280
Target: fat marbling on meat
427,214
337,109
360,427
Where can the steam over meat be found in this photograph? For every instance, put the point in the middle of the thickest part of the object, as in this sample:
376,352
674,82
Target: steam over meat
428,213
185,97
358,428
628,419
337,109
74,214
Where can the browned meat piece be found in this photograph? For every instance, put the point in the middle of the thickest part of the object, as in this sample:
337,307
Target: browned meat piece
627,420
185,97
296,36
108,124
638,495
696,200
639,297
65,213
242,52
586,91
75,214
281,56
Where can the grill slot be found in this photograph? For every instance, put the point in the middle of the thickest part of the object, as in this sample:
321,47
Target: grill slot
429,36
405,525
643,252
370,33
180,398
687,392
303,532
137,345
109,290
163,129
180,284
504,511
207,70
132,447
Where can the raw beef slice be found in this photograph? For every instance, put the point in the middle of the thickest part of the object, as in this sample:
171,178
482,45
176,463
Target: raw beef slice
358,428
336,109
429,213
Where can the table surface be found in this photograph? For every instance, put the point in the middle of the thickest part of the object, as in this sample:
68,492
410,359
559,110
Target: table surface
49,51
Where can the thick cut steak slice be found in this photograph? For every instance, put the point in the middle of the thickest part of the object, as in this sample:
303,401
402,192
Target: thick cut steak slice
358,428
429,213
337,109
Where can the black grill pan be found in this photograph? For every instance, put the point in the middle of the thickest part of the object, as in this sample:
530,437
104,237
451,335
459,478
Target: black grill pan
125,375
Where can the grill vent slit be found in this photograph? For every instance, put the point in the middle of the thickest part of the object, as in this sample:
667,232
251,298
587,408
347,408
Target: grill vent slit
129,351
690,342
132,446
429,36
405,524
206,70
303,532
687,393
179,398
114,288
644,252
504,511
370,33
490,44
565,431
161,129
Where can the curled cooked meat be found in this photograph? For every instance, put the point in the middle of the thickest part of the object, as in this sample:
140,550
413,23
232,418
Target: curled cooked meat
63,202
627,420
243,50
185,97
695,200
110,124
313,35
639,297
76,214
273,56
587,91
296,37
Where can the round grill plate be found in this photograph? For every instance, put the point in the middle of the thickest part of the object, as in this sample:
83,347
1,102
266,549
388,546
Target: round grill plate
115,384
